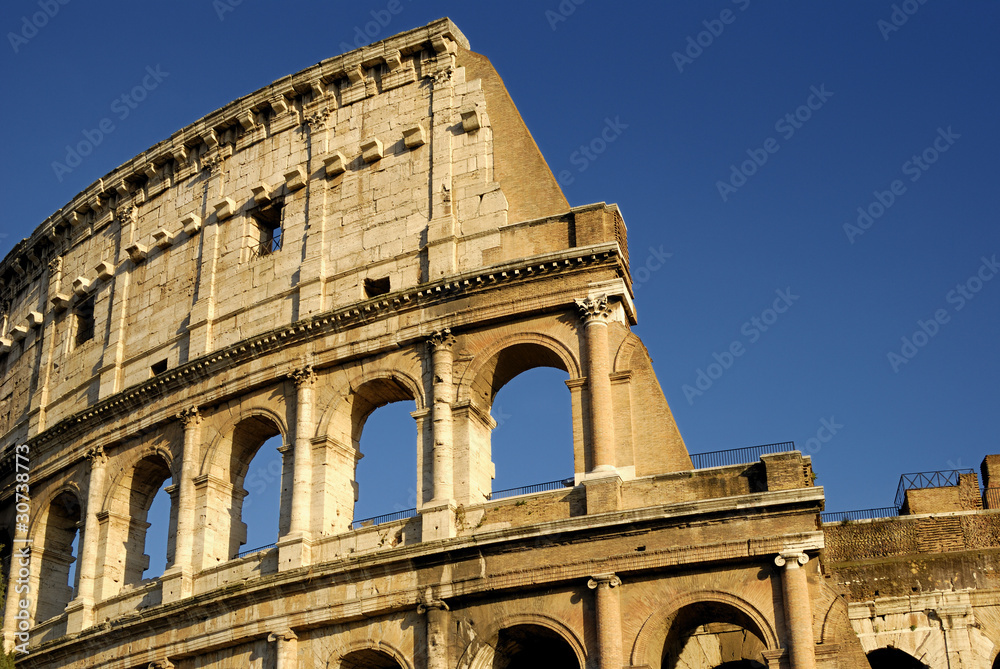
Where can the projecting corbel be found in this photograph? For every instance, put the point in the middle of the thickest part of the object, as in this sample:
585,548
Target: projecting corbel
295,179
414,136
163,238
371,150
261,193
192,222
137,253
472,119
224,208
335,164
105,271
81,286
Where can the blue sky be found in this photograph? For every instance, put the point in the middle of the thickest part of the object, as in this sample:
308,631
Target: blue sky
745,136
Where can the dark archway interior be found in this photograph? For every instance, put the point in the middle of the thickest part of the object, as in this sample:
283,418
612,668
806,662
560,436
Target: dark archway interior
532,647
368,659
893,658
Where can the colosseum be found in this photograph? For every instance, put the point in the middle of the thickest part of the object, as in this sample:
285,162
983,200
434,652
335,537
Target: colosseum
381,227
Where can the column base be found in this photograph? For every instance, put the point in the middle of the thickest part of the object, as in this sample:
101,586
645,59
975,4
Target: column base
604,493
294,551
80,615
175,584
437,521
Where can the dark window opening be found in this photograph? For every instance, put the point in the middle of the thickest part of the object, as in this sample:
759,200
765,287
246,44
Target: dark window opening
270,236
158,367
84,316
375,287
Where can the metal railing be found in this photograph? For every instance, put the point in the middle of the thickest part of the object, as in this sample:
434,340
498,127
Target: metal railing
860,514
917,480
384,518
738,456
528,489
251,551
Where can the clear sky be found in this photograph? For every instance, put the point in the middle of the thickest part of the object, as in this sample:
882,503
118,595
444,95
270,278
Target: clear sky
834,162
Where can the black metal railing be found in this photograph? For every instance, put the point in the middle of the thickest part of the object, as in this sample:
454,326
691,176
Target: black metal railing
384,518
738,456
860,514
251,551
528,489
917,480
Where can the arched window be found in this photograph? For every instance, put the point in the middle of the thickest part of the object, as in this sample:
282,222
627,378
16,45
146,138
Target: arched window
261,491
148,478
893,658
386,439
713,634
159,534
369,658
56,555
533,422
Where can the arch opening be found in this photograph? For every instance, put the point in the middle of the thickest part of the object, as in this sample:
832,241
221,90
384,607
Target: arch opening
259,504
385,440
56,581
894,658
150,477
532,647
522,388
713,634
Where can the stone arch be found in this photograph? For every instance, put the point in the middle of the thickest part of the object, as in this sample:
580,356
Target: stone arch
51,550
219,487
124,524
623,358
655,631
341,427
364,648
483,369
893,658
480,652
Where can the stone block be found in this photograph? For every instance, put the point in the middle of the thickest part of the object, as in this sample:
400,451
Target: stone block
371,150
224,208
414,136
335,164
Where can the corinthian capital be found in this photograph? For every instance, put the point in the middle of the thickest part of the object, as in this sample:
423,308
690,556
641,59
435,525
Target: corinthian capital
442,339
596,308
305,376
190,416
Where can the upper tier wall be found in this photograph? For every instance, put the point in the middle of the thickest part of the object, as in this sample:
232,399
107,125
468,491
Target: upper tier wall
383,169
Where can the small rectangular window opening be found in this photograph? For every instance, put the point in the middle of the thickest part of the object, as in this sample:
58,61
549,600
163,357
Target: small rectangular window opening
83,315
375,287
158,368
269,233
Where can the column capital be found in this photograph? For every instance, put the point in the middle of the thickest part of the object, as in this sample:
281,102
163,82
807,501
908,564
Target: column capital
190,417
432,605
594,309
161,664
303,377
442,340
282,635
97,456
791,559
609,580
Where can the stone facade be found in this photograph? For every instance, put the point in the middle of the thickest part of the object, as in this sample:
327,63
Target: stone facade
380,227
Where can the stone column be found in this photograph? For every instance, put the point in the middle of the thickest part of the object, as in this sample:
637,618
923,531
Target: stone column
177,580
81,610
437,517
798,610
441,344
293,549
437,633
596,313
609,620
287,650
